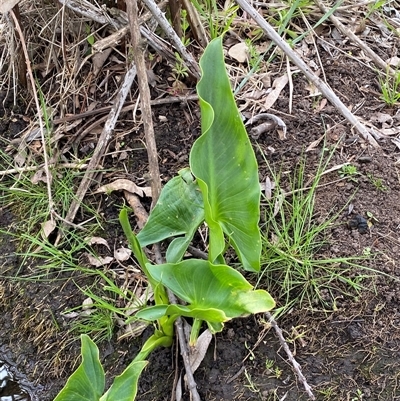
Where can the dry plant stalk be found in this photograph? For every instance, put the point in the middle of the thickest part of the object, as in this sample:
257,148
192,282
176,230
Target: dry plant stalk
176,41
295,364
101,146
41,125
321,85
139,47
367,50
195,23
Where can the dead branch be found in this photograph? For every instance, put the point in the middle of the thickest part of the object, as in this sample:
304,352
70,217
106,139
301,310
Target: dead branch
195,23
321,85
128,107
86,9
295,364
101,146
184,352
138,55
41,125
175,10
138,48
121,18
176,41
36,168
347,32
186,360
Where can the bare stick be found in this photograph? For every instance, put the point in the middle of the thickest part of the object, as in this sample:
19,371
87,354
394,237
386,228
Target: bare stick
86,9
184,352
295,364
101,146
175,11
138,55
186,361
367,50
321,85
153,164
128,107
173,300
196,25
35,168
176,41
41,125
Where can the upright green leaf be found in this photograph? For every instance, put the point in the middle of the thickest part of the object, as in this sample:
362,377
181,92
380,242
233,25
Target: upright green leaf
159,293
132,239
124,387
87,382
178,213
225,166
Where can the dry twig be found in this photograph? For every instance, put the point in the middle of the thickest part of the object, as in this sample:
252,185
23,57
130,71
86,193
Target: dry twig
367,50
321,85
196,25
176,41
101,146
128,107
295,364
41,125
186,360
138,54
35,168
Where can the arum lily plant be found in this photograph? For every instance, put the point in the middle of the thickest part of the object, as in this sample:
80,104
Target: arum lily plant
221,189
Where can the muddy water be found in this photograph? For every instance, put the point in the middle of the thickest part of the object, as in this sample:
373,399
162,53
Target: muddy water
13,387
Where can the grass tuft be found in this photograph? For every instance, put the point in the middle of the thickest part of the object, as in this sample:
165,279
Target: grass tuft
294,267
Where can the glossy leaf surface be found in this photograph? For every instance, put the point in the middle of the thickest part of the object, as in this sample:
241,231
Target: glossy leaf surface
87,382
178,213
124,387
223,162
214,293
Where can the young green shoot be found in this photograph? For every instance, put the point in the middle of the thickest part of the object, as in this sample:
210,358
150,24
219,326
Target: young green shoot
349,171
254,55
377,183
390,87
185,26
217,20
179,70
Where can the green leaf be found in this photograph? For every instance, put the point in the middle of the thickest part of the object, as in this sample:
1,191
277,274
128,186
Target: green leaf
87,382
223,162
132,239
124,387
159,292
178,212
158,311
214,293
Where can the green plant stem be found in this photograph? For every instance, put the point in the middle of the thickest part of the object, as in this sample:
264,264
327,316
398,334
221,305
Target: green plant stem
194,334
151,344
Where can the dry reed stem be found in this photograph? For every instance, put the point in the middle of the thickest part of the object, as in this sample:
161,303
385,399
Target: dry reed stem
101,146
295,364
176,41
35,168
39,111
322,86
139,47
347,32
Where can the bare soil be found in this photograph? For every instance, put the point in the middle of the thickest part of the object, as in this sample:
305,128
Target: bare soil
351,352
